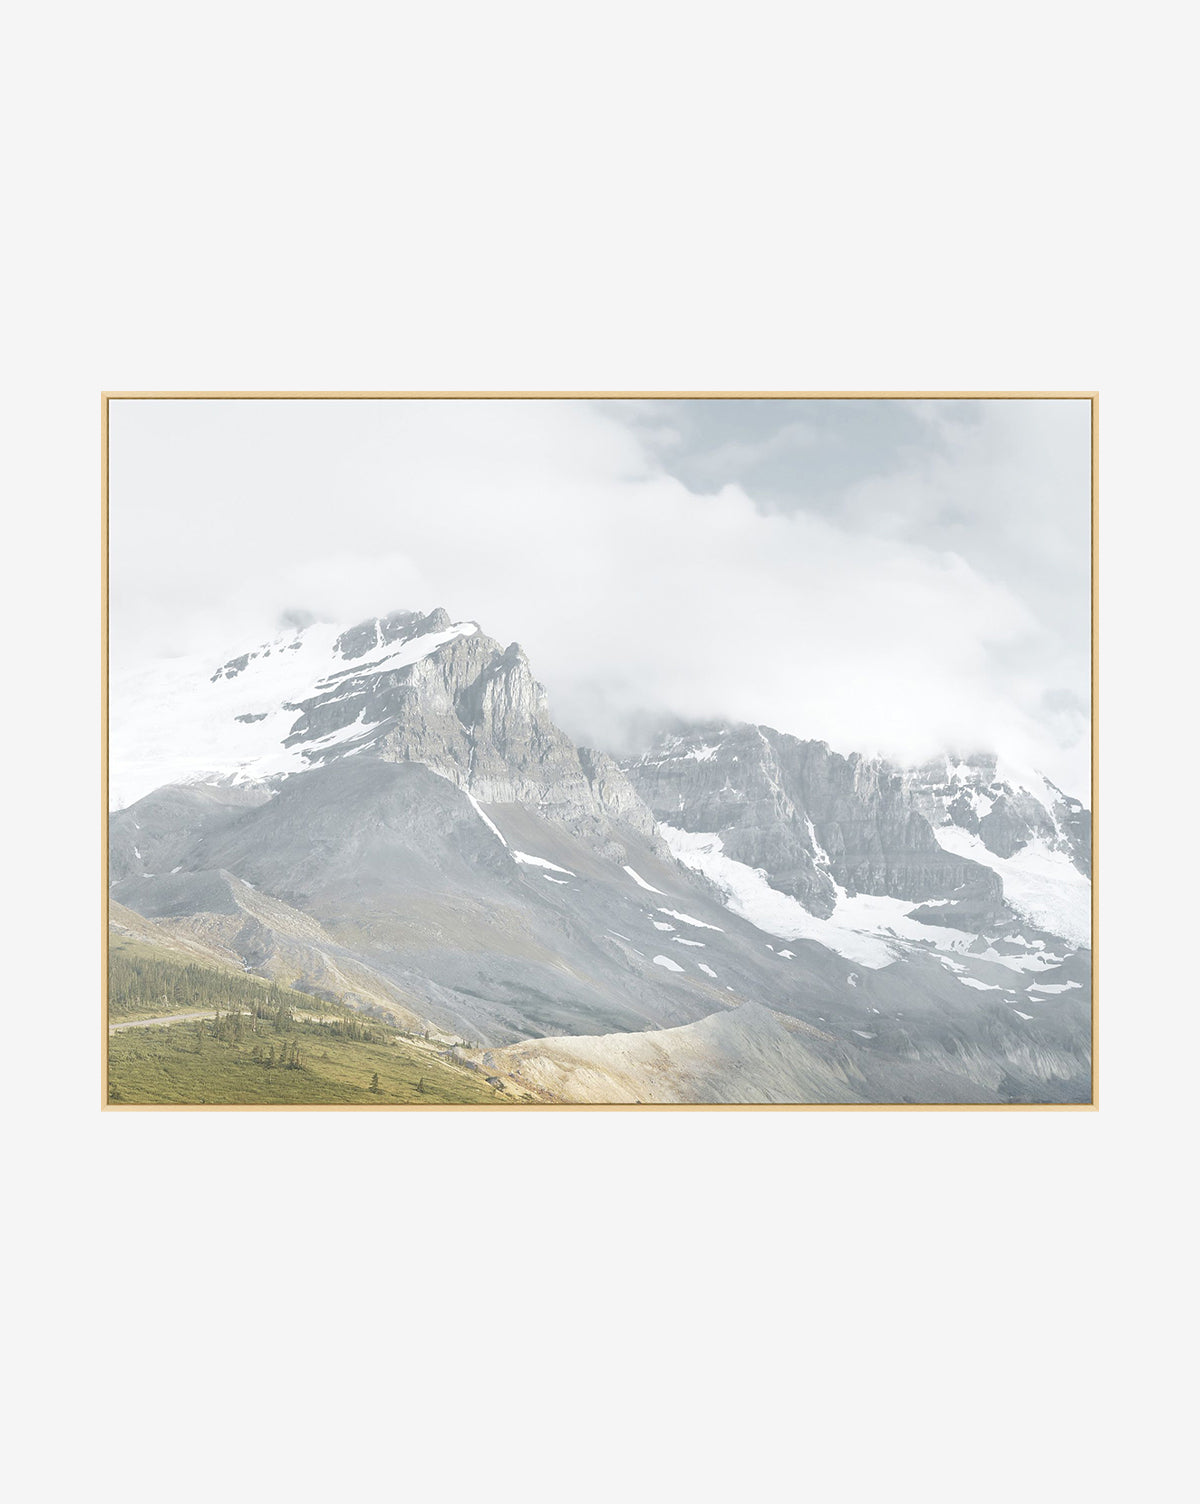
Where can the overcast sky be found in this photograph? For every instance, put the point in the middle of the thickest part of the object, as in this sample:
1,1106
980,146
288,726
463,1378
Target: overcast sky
891,577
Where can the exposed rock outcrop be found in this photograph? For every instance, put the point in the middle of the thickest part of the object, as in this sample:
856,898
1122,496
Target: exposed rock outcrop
473,712
1007,811
812,819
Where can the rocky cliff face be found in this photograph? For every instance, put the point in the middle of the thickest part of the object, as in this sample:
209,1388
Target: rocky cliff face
810,818
424,689
1007,810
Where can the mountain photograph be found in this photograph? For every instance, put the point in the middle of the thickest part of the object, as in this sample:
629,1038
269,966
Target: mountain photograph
615,753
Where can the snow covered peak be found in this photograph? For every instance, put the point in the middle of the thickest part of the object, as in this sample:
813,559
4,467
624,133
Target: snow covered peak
181,720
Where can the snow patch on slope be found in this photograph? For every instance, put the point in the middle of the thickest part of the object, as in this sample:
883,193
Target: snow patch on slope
1042,885
538,861
687,919
475,805
855,930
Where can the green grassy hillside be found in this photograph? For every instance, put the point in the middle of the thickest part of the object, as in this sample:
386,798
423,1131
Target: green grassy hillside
267,1044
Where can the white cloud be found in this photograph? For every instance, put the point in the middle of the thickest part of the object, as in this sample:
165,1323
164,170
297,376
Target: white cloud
554,524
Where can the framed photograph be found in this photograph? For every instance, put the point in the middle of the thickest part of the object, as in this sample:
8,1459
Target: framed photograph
599,750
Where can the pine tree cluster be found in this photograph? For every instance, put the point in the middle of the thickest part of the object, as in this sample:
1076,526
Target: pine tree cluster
136,982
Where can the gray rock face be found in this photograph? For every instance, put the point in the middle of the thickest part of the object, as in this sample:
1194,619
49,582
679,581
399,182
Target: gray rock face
389,631
474,713
160,834
807,816
1005,815
618,799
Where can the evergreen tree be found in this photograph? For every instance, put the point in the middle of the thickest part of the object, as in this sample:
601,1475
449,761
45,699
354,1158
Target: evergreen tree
170,985
375,1082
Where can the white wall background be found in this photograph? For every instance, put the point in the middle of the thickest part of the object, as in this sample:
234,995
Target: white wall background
695,1306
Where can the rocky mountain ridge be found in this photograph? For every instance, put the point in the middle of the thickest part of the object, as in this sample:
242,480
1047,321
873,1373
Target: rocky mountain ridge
1007,809
389,816
408,687
964,837
814,820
